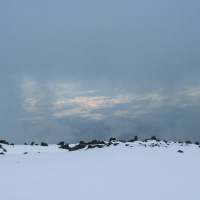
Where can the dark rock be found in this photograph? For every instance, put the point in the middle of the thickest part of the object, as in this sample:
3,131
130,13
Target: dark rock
188,142
4,150
12,144
36,144
96,142
112,139
109,143
115,144
25,152
61,143
152,145
1,146
95,146
25,143
123,141
82,142
197,143
2,153
180,151
65,146
32,143
153,138
4,142
77,147
44,144
91,146
134,139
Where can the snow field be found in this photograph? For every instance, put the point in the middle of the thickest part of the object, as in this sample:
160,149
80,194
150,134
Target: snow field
116,172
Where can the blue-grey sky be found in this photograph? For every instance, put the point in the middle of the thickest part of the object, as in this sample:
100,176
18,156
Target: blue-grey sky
80,70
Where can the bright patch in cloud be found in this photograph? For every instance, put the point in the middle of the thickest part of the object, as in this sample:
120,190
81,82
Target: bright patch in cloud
58,100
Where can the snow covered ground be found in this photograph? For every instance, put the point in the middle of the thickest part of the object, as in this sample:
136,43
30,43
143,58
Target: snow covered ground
128,171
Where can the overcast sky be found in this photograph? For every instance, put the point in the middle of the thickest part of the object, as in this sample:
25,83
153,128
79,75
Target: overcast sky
85,69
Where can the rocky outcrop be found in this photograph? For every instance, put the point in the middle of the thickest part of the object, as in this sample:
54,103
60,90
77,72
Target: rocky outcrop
4,142
44,144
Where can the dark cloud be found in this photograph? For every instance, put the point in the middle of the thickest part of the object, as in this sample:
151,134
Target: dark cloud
144,55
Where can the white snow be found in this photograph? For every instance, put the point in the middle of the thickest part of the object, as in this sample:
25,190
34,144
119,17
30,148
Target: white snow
115,172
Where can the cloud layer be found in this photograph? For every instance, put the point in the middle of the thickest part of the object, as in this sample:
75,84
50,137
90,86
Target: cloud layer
120,113
87,69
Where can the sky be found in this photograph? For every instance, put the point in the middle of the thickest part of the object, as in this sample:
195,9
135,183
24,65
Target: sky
81,70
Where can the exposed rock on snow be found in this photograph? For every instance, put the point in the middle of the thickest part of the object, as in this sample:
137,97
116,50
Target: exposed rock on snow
5,148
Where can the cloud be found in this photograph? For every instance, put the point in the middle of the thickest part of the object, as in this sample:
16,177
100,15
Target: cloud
73,111
70,99
129,67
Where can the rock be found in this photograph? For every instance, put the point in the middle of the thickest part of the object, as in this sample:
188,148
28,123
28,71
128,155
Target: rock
96,142
91,146
4,142
61,143
25,143
4,150
2,153
152,145
197,143
188,142
82,142
77,147
32,143
153,138
134,139
44,144
109,143
95,146
25,152
112,139
64,146
180,151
